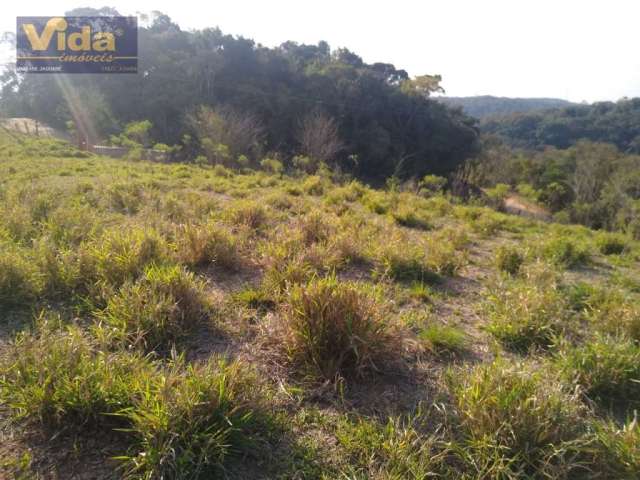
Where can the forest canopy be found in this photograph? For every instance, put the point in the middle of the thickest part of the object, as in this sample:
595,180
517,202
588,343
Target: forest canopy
604,122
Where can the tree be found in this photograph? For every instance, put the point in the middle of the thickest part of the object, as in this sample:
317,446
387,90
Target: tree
594,164
423,85
319,138
226,134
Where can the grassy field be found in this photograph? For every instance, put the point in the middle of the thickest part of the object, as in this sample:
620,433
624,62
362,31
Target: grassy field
180,321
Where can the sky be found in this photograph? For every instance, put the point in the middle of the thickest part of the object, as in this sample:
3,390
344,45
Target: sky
577,50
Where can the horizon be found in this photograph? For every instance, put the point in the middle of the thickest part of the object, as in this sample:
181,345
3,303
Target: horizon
564,60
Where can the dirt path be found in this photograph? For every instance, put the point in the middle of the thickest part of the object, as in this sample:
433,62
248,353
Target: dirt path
517,205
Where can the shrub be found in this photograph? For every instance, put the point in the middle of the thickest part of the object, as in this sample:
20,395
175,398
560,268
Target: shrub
523,314
488,223
443,339
432,184
607,368
314,185
420,291
272,165
348,193
70,225
411,217
378,202
199,245
59,270
334,329
611,243
190,421
155,311
562,251
528,191
516,422
496,195
508,259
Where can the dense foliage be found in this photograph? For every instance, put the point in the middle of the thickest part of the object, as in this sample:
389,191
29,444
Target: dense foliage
607,122
385,121
589,183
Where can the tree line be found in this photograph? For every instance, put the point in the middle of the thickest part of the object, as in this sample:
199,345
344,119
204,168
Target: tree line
227,99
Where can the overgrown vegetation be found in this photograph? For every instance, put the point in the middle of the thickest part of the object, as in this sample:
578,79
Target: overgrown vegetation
255,322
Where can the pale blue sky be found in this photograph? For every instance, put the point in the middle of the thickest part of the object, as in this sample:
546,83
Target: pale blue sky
579,50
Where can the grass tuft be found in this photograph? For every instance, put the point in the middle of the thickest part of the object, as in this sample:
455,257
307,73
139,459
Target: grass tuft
331,329
606,368
527,313
509,259
517,423
156,311
443,339
190,421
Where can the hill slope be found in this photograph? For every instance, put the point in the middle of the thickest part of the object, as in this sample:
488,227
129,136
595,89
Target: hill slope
198,321
617,123
486,105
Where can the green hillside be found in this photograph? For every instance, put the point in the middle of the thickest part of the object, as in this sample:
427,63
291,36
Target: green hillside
484,106
196,321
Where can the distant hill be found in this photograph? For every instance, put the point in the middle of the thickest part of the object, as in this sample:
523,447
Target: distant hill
604,122
486,105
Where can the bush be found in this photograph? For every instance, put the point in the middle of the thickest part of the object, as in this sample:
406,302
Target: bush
523,314
272,165
378,202
432,184
314,185
611,243
332,329
607,368
155,311
508,259
411,217
496,195
517,423
563,252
